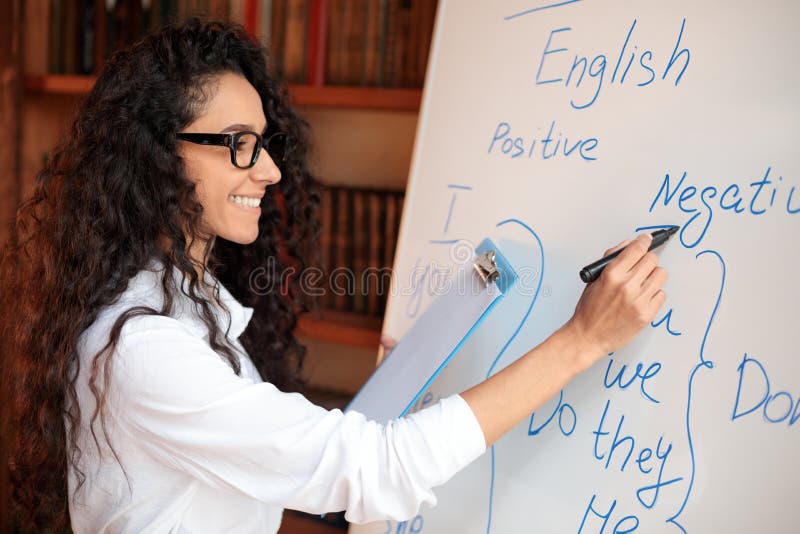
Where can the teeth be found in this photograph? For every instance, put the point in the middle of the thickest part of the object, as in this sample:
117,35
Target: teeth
250,202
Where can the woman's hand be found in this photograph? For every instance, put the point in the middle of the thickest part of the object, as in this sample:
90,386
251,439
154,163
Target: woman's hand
616,307
387,343
608,315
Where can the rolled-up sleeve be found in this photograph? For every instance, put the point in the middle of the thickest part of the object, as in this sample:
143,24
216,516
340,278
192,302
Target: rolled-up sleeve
187,408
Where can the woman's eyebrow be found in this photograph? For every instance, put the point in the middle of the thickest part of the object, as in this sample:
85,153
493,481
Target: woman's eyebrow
240,127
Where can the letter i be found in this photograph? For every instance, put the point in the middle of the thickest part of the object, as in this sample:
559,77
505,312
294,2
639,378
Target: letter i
625,73
774,190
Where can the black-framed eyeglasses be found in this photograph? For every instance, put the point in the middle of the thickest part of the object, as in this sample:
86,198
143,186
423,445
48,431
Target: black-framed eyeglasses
245,147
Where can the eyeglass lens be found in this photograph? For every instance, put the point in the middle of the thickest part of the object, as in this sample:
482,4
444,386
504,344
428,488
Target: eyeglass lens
247,146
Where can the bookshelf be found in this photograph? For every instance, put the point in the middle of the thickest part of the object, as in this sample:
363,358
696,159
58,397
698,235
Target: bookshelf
363,131
394,99
344,328
353,54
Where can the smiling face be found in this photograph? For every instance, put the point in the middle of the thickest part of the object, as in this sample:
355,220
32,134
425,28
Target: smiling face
230,196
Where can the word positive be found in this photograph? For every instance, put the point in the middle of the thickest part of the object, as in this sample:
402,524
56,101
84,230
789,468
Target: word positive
550,146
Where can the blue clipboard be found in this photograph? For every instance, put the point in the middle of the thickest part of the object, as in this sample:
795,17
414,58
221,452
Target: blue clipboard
437,335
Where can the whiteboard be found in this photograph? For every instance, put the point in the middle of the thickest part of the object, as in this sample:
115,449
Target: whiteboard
687,113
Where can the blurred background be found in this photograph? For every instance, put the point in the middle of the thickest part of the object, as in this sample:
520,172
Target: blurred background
356,69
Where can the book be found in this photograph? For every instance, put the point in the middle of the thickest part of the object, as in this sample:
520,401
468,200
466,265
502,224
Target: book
393,208
162,12
69,48
125,23
342,260
353,45
410,70
294,52
392,42
55,63
374,43
333,52
326,241
220,9
236,11
277,35
375,284
359,238
37,37
251,8
333,260
426,21
86,36
265,23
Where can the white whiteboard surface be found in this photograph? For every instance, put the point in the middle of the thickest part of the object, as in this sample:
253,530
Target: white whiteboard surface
712,147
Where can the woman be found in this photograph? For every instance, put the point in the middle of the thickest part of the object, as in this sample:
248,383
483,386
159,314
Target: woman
149,398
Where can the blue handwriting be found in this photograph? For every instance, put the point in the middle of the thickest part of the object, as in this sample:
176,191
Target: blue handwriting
640,374
700,208
554,66
642,461
775,407
566,423
412,526
553,144
629,523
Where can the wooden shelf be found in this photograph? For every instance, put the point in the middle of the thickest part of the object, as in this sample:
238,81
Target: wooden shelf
61,84
342,328
396,99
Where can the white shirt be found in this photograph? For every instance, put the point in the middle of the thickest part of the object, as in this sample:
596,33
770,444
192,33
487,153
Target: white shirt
206,450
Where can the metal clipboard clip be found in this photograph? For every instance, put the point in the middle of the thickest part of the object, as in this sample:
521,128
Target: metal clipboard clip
486,267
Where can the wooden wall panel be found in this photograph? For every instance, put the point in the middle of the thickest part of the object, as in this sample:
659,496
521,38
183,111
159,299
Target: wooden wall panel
46,119
10,98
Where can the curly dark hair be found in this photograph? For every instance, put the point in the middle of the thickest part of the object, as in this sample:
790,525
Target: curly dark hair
113,196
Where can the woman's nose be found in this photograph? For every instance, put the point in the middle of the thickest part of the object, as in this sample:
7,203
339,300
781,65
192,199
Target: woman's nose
265,169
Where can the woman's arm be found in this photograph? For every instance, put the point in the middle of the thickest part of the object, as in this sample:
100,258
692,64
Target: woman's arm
178,402
609,314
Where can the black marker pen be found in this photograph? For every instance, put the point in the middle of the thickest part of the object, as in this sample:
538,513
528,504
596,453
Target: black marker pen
591,272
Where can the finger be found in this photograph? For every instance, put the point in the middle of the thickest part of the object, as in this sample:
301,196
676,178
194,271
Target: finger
388,342
617,247
382,353
653,283
643,269
657,302
631,254
385,347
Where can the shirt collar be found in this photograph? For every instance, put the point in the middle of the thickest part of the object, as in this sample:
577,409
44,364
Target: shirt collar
233,319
